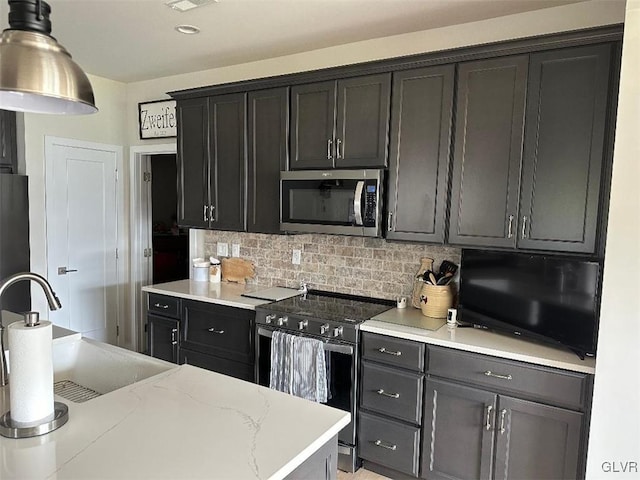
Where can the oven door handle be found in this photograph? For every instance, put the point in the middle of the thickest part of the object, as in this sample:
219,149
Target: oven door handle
328,347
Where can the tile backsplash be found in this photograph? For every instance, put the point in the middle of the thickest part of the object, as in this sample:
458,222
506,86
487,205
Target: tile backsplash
362,266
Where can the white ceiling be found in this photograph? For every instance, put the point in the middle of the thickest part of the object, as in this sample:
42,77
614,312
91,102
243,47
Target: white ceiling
133,40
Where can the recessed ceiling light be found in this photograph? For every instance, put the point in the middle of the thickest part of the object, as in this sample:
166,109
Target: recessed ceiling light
188,29
186,5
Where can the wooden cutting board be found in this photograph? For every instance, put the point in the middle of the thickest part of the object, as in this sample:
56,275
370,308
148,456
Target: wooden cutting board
237,270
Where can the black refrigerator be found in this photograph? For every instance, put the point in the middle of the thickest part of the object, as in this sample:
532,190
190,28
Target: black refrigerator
14,240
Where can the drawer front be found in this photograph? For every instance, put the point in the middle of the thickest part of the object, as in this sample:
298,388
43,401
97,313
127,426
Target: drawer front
393,351
164,305
393,392
239,370
558,387
388,443
218,330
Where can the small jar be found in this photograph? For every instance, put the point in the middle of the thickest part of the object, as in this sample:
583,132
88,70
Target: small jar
214,272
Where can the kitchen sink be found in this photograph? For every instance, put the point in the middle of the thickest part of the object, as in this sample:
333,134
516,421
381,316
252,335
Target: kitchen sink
84,368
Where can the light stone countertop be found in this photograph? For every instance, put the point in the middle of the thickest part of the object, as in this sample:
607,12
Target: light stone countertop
184,423
397,323
223,293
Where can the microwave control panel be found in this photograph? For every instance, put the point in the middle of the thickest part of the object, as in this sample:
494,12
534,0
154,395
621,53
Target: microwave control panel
370,203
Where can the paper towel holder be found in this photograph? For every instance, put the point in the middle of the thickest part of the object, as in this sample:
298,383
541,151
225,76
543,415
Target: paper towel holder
9,429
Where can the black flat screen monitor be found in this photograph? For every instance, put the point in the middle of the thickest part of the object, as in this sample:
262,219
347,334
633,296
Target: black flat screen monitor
553,299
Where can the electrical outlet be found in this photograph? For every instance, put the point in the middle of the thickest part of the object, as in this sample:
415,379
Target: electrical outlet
235,250
295,258
223,249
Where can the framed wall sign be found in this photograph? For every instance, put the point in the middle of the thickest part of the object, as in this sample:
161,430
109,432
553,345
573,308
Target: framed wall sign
157,119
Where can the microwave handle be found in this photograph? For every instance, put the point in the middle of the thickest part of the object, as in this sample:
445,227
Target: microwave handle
357,202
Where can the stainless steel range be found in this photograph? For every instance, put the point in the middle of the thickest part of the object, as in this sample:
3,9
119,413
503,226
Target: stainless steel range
333,318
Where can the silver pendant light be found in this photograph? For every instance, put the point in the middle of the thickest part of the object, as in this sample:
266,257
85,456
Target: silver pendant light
36,73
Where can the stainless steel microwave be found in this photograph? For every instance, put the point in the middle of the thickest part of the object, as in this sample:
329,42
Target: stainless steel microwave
343,202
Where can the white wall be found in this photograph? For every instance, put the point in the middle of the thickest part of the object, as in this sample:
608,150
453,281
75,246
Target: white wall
615,424
107,126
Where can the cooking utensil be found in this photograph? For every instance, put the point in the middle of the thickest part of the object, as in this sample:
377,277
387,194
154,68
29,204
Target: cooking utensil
432,279
447,267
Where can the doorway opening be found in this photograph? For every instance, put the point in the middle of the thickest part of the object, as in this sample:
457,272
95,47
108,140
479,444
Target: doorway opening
170,244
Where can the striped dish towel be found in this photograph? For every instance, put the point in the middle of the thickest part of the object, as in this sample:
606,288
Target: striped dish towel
298,366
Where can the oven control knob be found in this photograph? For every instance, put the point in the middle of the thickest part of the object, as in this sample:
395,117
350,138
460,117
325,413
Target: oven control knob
269,318
303,324
324,328
283,321
337,332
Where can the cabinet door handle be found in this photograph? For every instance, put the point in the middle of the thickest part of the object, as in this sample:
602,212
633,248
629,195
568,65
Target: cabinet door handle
213,330
329,153
489,373
386,394
503,414
390,352
388,446
510,229
488,423
174,340
212,213
159,305
390,222
524,226
338,154
205,214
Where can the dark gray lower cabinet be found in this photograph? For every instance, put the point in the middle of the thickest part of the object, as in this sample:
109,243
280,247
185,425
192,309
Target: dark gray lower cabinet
457,443
471,433
162,335
218,338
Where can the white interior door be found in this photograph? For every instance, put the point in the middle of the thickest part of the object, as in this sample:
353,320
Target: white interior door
82,237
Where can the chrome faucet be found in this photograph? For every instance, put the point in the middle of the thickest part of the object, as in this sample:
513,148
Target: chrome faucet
52,299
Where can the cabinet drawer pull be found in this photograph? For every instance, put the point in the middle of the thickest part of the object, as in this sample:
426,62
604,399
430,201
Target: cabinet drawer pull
389,352
213,330
488,423
489,373
503,413
159,305
388,446
390,395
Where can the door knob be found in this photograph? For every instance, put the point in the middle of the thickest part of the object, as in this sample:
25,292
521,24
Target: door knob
64,270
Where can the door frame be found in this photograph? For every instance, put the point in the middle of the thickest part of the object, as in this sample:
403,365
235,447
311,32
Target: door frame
140,235
122,271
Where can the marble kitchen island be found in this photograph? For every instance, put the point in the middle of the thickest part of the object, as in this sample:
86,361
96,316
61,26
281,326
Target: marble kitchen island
183,423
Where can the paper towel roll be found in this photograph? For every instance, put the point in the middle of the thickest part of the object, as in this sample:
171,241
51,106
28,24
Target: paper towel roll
31,373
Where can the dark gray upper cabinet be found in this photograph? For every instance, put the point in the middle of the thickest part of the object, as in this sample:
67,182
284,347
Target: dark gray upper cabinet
312,123
340,124
268,130
211,162
564,148
193,162
8,146
227,140
422,104
487,151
